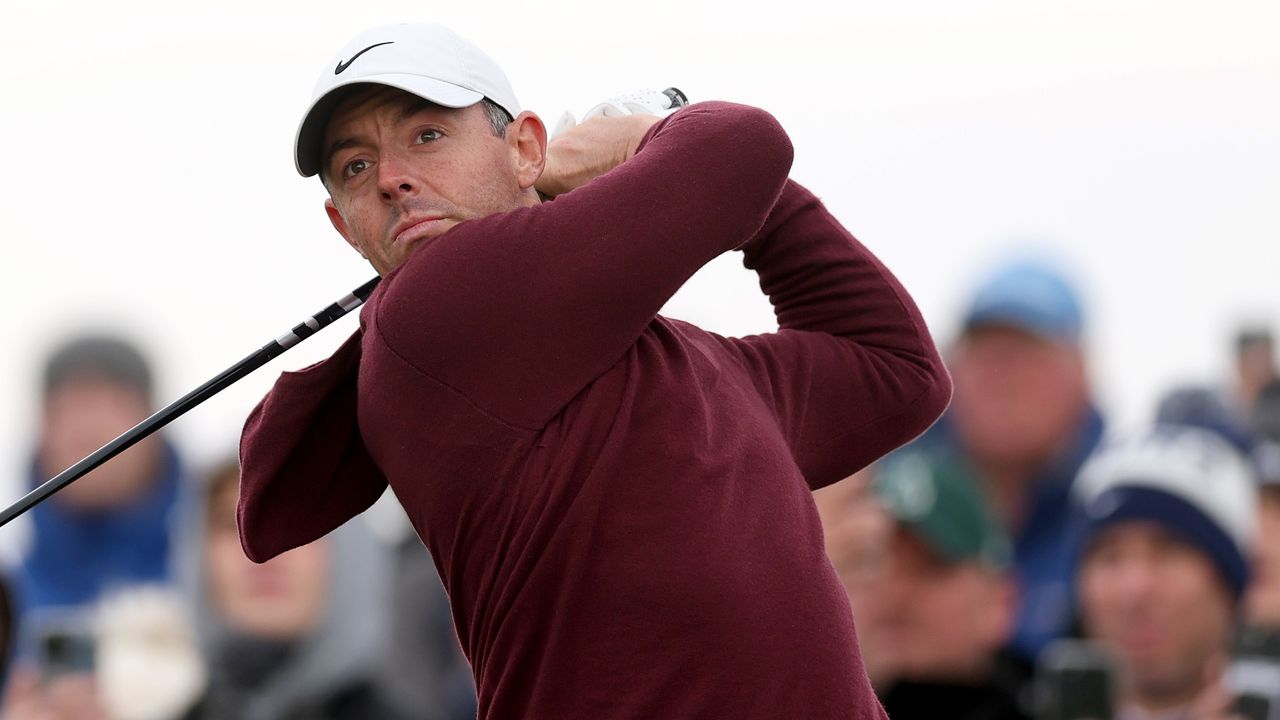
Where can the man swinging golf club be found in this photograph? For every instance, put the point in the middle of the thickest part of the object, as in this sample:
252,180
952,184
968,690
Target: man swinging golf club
618,503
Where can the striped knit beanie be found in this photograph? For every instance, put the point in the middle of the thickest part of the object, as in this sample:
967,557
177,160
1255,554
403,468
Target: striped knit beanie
1189,481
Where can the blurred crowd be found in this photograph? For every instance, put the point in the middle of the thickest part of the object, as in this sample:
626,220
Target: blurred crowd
1019,560
134,600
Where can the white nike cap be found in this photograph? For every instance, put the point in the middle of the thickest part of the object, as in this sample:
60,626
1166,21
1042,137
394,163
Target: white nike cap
425,59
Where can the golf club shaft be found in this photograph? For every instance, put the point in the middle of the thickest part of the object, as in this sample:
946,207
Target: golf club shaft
180,406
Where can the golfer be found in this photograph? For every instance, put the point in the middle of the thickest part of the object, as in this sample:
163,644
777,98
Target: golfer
619,504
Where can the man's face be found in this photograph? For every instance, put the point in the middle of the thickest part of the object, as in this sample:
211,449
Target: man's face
282,599
928,619
1018,397
401,171
1256,363
80,416
1158,606
1263,599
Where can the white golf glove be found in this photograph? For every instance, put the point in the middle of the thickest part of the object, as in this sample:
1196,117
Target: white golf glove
643,102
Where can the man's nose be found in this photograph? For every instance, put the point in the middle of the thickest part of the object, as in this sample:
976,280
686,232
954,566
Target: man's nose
1135,583
394,180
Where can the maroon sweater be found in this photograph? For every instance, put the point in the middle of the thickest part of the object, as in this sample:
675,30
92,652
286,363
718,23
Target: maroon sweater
618,503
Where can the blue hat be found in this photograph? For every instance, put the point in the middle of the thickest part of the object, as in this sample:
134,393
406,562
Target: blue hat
1029,296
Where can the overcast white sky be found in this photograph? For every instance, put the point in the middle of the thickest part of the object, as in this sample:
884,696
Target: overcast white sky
148,183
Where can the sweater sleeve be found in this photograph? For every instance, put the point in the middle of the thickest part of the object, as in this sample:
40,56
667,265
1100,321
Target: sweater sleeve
853,372
304,468
519,311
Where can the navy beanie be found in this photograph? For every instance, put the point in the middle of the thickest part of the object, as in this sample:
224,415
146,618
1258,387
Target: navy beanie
1189,481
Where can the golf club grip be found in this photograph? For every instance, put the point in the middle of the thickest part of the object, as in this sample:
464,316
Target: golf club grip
180,406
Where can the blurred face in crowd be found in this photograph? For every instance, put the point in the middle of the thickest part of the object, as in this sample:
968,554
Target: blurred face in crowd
1018,396
925,618
282,599
401,171
1159,607
1262,602
83,414
856,529
1256,365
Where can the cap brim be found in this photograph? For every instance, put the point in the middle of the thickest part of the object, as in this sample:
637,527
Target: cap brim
937,538
308,155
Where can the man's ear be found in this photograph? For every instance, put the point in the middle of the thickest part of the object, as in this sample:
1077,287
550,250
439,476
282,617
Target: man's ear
527,139
340,225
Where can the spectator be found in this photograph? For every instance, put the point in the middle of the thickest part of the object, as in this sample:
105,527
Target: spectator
1163,566
1263,599
933,613
293,638
8,626
135,660
423,669
856,531
1265,418
1202,407
1255,366
1023,418
111,528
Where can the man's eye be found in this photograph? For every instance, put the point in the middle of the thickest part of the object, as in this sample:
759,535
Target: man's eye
355,167
427,136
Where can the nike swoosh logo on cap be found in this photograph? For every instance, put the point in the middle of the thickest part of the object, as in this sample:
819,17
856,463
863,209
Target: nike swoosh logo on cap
344,65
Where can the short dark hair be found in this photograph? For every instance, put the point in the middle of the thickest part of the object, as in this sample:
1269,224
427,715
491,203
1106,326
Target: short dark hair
97,356
1249,337
497,116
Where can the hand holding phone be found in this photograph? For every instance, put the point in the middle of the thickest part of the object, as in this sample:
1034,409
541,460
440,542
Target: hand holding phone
1073,682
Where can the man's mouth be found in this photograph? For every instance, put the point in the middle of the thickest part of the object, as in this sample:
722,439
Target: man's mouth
418,228
1142,640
